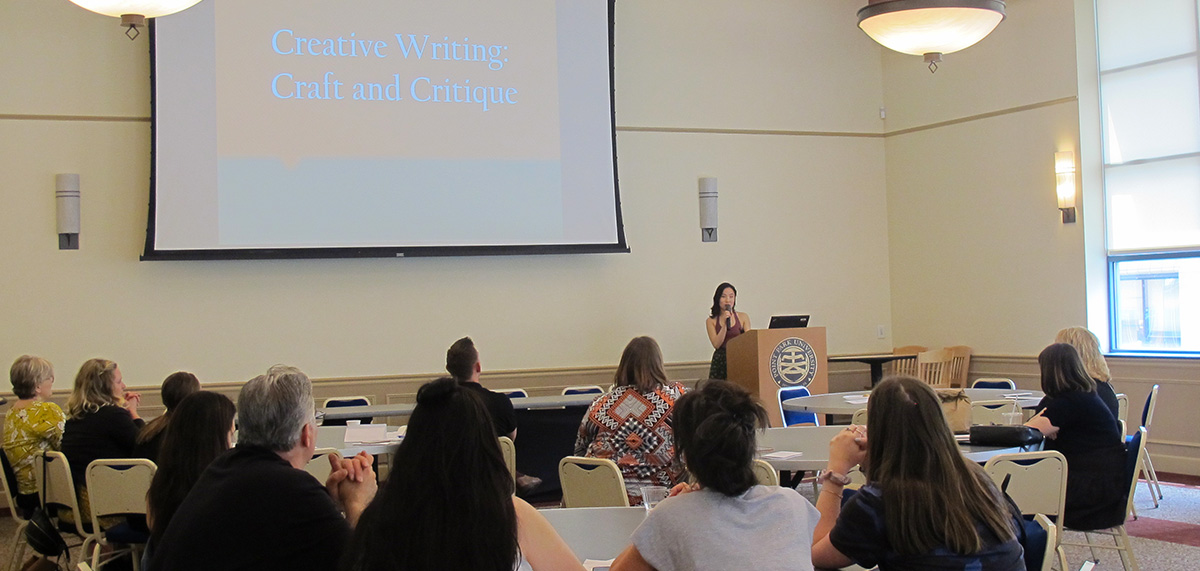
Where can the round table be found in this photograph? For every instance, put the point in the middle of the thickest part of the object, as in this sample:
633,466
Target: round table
837,403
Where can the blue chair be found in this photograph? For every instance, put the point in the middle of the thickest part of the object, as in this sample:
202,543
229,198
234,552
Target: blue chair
791,418
1147,466
583,390
346,401
514,393
994,384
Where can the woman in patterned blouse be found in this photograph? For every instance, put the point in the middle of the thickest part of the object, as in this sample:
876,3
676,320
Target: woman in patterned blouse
33,425
631,424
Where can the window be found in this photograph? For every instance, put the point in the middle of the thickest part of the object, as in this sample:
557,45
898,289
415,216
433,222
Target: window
1150,109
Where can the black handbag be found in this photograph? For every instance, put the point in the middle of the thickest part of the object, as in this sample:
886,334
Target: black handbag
41,534
1006,436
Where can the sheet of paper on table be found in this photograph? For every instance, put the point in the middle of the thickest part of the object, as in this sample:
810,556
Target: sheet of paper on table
597,564
366,433
782,455
856,399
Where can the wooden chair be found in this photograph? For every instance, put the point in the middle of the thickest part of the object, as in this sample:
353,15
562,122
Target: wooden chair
591,482
987,412
509,451
118,487
933,367
765,474
960,362
1133,464
1037,482
994,383
583,390
8,485
907,366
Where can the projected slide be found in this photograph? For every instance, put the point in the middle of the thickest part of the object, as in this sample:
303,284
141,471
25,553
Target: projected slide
324,128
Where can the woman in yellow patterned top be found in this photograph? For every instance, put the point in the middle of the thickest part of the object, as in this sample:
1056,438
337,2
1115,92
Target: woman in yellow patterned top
33,424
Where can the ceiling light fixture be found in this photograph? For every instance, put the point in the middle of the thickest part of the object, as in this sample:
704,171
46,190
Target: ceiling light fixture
133,13
930,27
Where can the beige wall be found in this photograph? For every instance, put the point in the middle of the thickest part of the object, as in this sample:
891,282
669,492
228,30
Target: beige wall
793,206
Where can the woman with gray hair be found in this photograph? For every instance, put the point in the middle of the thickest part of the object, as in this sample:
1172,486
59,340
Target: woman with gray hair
32,425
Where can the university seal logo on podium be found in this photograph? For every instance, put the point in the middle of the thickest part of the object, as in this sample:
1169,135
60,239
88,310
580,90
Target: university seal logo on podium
793,363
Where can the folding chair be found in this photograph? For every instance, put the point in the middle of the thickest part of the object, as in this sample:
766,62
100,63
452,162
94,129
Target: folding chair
346,401
58,492
1133,464
1146,465
8,484
793,418
1037,482
765,474
990,411
591,482
318,466
509,451
994,383
118,487
583,390
860,417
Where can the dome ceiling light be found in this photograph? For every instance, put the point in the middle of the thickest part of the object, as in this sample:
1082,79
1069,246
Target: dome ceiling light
133,13
930,27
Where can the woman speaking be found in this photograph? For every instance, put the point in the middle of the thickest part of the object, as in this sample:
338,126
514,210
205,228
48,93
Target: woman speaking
724,323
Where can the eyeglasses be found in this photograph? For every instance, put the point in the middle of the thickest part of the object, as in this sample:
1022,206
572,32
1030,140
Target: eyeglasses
319,417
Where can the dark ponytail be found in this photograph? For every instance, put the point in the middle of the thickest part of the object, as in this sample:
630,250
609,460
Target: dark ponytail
714,435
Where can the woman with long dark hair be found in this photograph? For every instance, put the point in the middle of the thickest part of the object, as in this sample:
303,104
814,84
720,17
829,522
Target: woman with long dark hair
631,424
726,520
925,506
176,387
1076,422
448,502
1088,346
200,430
724,323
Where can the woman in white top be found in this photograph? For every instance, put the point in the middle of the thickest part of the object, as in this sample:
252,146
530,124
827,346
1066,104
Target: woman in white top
448,502
726,520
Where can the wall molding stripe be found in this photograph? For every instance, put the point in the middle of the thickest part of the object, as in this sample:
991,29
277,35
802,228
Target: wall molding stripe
80,118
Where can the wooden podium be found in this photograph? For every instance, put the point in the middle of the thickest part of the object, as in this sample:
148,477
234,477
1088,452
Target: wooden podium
762,360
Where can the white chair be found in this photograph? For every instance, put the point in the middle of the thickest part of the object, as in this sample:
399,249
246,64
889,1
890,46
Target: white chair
987,412
354,400
16,549
509,451
1037,482
1146,465
860,417
994,383
765,474
583,390
591,482
118,487
1051,530
58,491
514,393
1133,464
319,466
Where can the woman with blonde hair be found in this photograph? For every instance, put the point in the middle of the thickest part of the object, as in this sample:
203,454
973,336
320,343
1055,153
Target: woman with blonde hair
1088,346
32,425
631,424
925,506
102,421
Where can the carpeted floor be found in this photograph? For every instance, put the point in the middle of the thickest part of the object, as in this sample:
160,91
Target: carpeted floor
1166,538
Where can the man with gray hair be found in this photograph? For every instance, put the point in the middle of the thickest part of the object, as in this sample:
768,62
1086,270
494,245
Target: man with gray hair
255,507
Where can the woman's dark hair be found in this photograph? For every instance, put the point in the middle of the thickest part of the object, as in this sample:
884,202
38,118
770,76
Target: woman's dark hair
716,306
641,366
932,495
1063,371
199,433
714,435
176,387
447,503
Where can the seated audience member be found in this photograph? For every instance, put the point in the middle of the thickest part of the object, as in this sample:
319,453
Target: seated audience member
448,501
631,424
32,425
174,389
255,507
925,506
1088,346
1076,423
201,433
726,520
462,362
102,422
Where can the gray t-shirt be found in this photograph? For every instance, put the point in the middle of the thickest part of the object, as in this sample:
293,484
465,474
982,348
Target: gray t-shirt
768,528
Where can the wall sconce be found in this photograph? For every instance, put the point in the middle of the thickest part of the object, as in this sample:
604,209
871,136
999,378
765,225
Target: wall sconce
66,197
1064,175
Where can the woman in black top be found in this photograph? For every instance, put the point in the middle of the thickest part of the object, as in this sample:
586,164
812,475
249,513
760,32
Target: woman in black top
1076,422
